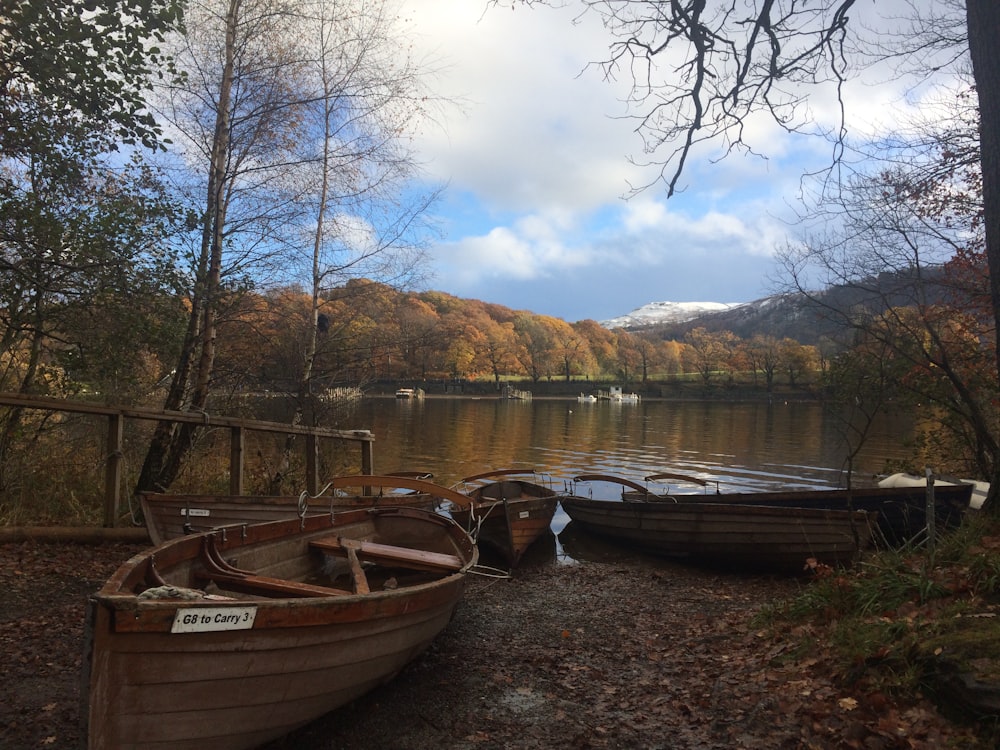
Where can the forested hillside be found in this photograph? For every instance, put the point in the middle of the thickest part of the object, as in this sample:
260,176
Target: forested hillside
370,331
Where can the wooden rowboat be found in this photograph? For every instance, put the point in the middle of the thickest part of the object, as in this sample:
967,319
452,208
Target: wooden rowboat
231,638
729,535
902,510
509,510
169,516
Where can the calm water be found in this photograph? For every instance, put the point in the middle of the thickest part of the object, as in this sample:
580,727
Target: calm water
752,447
742,446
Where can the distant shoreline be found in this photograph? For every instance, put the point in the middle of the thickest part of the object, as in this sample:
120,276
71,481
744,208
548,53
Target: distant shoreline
563,391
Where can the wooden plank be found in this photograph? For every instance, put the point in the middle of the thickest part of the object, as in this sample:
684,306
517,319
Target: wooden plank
357,572
79,534
400,482
367,457
387,554
680,477
169,415
117,415
613,479
500,473
312,465
255,584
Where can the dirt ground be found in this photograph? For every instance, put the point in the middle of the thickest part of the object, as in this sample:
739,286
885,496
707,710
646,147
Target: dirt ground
598,653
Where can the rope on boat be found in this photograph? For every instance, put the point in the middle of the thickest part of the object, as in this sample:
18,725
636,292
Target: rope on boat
305,497
171,592
477,520
486,571
132,511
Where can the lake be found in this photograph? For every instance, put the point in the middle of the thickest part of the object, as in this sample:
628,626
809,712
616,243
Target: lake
748,446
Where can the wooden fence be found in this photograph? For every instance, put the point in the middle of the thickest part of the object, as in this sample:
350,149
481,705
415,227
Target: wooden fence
116,417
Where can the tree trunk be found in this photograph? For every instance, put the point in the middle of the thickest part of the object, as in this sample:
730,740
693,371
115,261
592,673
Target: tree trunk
983,18
171,444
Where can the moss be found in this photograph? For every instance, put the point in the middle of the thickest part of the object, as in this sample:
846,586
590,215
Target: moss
970,642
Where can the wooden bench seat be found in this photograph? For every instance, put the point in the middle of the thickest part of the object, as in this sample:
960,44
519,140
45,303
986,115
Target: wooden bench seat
254,584
387,554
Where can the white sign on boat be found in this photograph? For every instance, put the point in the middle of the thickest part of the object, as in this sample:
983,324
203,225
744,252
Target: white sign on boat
202,620
200,512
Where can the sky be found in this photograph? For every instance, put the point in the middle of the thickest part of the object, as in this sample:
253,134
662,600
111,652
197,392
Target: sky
535,157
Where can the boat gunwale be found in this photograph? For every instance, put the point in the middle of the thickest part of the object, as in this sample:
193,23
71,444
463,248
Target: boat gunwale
115,592
670,508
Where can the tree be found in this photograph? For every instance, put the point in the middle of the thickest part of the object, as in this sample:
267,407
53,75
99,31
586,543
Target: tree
764,355
919,218
500,349
87,67
709,351
797,359
628,355
671,357
419,327
728,62
570,349
601,342
237,115
79,232
80,249
536,345
860,383
983,30
362,100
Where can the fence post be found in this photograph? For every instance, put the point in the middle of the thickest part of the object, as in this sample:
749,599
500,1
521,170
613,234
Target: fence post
237,444
312,464
113,468
931,514
367,460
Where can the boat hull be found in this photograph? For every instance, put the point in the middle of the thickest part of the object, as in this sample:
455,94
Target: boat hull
508,515
902,511
731,536
229,686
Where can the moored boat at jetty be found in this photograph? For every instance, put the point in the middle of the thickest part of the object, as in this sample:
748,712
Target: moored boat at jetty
410,393
168,516
232,638
509,510
616,395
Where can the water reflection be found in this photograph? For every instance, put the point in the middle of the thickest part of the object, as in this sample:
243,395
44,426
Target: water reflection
743,446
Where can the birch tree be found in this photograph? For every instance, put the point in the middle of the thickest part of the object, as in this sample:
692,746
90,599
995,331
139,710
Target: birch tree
295,117
369,96
235,123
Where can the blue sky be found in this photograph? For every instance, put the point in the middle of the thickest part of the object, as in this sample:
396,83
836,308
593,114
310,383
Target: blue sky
535,157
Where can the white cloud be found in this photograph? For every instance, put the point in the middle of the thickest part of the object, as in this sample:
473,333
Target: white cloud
535,132
537,162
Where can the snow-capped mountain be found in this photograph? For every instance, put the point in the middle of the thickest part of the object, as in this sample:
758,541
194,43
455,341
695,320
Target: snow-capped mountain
667,312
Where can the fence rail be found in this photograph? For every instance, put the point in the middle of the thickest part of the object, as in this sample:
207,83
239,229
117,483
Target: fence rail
117,415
